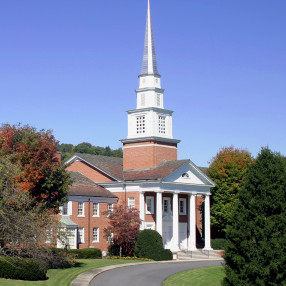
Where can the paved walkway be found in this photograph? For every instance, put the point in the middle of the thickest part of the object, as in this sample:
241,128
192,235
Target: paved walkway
138,274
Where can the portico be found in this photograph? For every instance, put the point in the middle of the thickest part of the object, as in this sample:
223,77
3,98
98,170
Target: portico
171,217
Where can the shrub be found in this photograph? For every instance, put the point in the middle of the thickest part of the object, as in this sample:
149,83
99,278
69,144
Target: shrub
57,258
149,244
114,250
22,269
218,243
86,253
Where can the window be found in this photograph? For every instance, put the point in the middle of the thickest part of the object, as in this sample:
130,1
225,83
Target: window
95,209
162,125
140,124
65,209
143,99
182,206
49,235
166,205
109,209
158,99
95,234
149,205
80,209
185,175
131,202
80,235
110,238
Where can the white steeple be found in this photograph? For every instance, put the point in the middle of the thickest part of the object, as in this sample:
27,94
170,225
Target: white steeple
150,118
150,140
149,58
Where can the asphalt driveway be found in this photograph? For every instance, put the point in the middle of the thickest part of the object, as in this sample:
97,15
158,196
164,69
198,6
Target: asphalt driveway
146,274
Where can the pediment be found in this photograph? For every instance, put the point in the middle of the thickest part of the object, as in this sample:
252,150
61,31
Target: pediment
189,174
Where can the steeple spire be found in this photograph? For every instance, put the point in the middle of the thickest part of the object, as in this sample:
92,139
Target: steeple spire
149,57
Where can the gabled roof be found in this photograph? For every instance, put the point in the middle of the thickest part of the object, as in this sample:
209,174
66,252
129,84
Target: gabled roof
157,173
83,186
111,166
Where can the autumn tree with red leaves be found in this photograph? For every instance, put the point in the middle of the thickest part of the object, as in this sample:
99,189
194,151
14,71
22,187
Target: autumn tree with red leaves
124,224
228,169
34,154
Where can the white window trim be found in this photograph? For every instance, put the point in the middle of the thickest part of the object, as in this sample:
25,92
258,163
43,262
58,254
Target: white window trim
49,235
78,232
184,206
97,209
68,208
80,215
133,202
169,204
109,210
93,240
152,205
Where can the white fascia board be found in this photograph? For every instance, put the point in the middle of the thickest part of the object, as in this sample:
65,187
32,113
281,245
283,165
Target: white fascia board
156,109
93,199
77,157
212,183
184,166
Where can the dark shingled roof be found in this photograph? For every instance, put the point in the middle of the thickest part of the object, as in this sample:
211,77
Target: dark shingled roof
83,186
110,165
157,173
204,170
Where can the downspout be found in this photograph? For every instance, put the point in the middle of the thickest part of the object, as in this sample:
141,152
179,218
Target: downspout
88,234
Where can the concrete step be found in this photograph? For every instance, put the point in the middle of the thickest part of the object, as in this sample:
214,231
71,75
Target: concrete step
198,254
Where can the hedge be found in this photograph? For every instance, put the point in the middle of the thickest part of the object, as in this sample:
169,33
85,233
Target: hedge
149,244
218,243
86,253
22,269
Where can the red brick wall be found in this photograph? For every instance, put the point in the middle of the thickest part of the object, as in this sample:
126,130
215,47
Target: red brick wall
88,171
147,157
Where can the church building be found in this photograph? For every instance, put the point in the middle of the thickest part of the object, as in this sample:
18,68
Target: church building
167,192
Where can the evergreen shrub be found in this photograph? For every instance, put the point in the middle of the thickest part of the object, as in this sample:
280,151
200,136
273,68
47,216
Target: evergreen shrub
86,253
22,269
149,244
114,250
57,258
218,243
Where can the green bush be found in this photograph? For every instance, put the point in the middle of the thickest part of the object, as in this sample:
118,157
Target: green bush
114,250
57,258
149,244
218,243
86,253
22,269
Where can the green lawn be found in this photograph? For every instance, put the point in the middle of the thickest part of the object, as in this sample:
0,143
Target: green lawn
211,276
63,277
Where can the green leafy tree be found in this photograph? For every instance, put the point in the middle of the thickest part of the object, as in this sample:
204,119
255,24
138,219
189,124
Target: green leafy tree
255,253
228,170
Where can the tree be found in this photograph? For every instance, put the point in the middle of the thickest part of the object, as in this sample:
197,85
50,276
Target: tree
228,170
256,247
39,171
124,224
22,220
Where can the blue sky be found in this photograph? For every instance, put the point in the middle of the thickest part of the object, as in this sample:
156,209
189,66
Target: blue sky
72,66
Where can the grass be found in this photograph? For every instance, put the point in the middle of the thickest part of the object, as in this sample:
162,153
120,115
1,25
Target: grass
211,276
63,277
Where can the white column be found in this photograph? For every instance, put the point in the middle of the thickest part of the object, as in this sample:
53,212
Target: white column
192,226
175,222
207,224
159,223
142,210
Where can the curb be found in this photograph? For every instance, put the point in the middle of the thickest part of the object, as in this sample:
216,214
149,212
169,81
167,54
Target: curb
85,278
